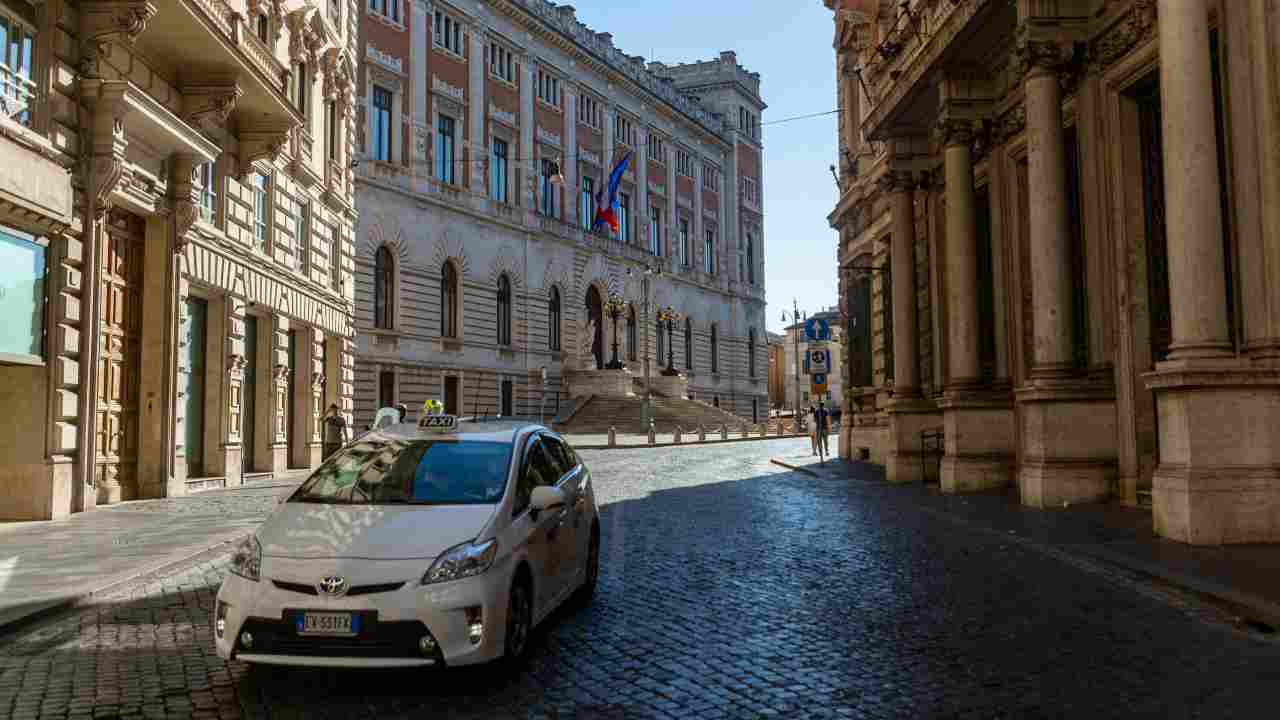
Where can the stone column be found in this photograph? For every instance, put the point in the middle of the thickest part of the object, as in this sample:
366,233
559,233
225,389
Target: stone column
569,162
1217,480
529,184
961,255
906,340
476,110
1197,272
695,226
641,206
232,436
1068,424
1050,240
279,412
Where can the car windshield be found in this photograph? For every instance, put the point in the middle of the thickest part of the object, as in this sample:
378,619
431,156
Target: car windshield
411,472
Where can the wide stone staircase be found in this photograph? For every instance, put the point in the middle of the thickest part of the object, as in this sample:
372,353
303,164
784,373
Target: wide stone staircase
600,413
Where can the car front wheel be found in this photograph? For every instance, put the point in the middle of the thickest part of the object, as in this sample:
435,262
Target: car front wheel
519,623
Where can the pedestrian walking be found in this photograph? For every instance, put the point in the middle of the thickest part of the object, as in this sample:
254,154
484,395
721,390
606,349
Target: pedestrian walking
335,431
822,425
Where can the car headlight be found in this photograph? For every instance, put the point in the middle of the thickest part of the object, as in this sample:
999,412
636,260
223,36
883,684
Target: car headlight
462,561
246,561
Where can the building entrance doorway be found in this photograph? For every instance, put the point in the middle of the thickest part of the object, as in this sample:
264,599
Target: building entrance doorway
193,441
451,395
595,314
120,256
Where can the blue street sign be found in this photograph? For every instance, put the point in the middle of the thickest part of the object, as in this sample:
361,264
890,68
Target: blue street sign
818,379
817,329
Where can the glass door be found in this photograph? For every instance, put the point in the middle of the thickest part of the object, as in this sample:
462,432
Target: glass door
248,393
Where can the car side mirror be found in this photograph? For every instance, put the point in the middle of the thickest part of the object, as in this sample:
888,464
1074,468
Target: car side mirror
545,497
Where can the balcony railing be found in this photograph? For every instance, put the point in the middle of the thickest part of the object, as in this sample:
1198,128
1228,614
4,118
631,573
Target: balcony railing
16,95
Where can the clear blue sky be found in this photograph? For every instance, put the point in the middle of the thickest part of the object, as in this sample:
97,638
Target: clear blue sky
789,43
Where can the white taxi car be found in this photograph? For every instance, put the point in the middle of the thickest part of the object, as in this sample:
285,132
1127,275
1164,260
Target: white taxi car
442,543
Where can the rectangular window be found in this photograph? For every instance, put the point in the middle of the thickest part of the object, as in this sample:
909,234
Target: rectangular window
508,398
260,218
586,206
546,190
624,217
381,122
682,247
331,129
207,194
22,283
498,170
18,91
548,89
710,179
750,191
624,132
589,112
301,84
389,9
448,33
657,148
655,231
501,65
709,253
444,150
335,258
684,163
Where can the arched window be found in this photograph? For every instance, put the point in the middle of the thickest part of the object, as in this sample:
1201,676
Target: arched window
662,342
715,349
751,352
504,310
632,343
688,344
553,319
383,283
449,301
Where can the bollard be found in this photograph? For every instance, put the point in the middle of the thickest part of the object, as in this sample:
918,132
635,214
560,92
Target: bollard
746,431
764,430
613,436
675,436
724,431
779,427
702,433
652,439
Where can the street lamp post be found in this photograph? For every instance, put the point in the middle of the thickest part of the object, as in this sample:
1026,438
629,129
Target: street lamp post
667,316
649,271
614,308
797,317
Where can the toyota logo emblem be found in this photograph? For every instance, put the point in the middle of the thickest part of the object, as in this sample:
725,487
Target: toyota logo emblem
333,585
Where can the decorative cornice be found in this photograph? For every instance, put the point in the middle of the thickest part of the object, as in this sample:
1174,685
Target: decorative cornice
1136,26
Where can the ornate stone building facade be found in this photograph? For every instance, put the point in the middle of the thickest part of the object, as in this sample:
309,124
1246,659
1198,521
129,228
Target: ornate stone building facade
175,226
475,271
1059,218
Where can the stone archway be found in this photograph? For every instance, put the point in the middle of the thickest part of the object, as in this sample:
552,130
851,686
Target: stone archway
595,314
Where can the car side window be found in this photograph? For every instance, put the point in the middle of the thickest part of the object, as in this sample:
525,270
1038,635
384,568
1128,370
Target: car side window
561,453
525,480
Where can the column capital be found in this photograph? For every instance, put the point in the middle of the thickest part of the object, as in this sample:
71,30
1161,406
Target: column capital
896,181
956,131
1037,56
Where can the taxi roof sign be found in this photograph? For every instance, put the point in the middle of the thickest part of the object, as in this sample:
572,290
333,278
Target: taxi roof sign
438,423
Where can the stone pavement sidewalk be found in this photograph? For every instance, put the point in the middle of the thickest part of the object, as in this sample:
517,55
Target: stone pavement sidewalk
600,441
1244,579
49,566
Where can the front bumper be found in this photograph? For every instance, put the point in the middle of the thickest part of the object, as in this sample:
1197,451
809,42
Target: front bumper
392,622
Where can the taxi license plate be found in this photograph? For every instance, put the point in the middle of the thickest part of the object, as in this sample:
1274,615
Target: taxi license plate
328,623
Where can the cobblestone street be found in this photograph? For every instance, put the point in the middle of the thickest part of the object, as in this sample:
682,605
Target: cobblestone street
730,588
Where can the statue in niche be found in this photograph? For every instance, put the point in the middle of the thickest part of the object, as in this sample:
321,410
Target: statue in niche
587,359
